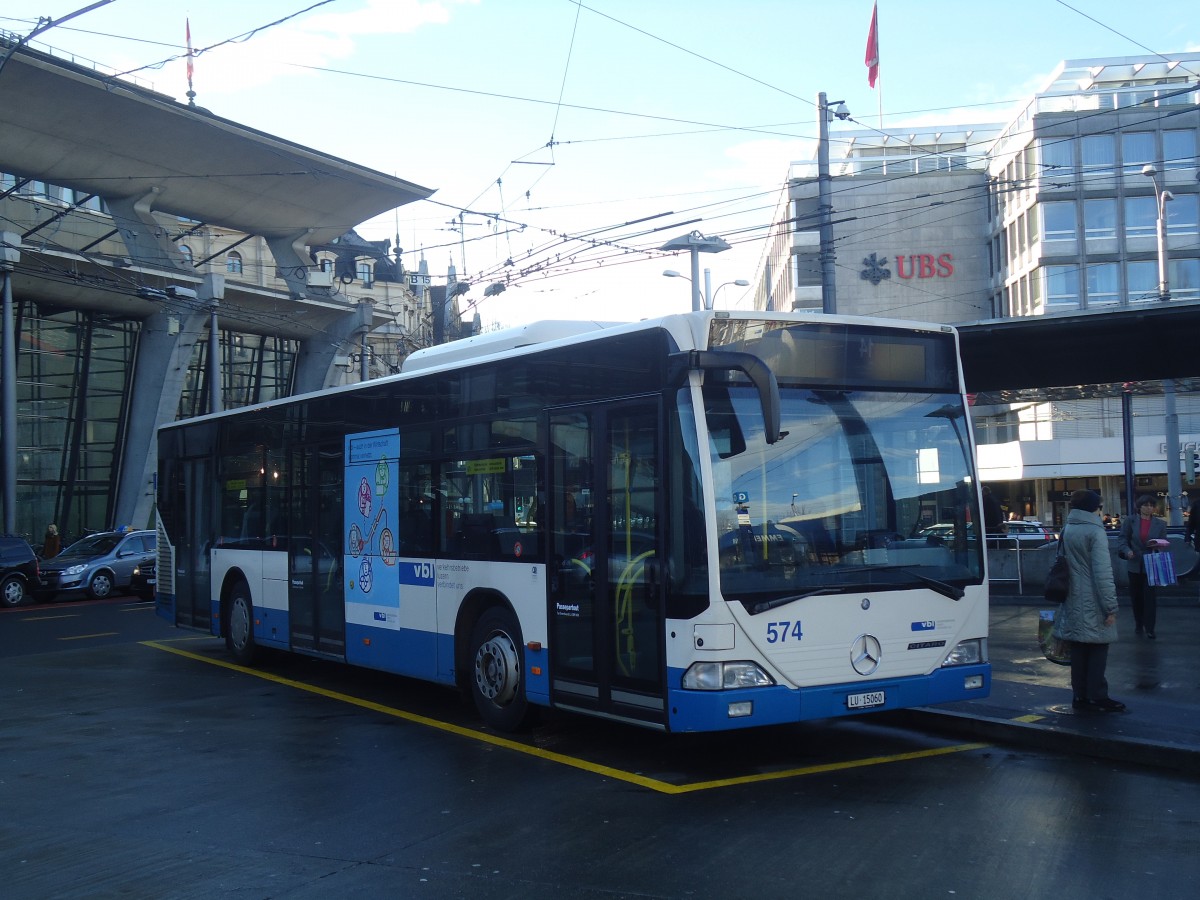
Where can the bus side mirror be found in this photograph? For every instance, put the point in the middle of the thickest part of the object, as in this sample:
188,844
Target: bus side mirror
754,368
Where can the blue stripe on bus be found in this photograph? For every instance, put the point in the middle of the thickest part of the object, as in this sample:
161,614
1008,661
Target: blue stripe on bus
708,710
404,651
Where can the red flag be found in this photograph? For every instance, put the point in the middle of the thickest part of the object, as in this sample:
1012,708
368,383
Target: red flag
872,57
189,48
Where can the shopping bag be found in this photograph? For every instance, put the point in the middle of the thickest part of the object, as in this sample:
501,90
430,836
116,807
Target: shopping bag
1054,649
1160,568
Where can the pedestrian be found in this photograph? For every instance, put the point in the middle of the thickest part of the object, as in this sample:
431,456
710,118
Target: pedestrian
993,515
1136,532
51,543
1088,617
1192,531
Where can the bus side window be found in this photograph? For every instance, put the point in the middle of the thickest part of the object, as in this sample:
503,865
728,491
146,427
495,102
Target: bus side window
416,513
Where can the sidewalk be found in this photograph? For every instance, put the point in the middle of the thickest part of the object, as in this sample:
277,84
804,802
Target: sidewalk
1030,702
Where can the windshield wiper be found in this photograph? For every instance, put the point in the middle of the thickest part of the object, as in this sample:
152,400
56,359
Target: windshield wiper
953,591
783,601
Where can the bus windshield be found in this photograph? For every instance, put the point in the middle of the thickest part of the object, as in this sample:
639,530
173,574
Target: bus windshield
865,489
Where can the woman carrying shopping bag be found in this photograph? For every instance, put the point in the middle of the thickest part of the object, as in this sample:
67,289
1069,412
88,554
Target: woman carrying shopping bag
1088,617
1136,534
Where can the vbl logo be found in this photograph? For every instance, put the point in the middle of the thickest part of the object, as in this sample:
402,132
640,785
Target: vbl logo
927,625
420,573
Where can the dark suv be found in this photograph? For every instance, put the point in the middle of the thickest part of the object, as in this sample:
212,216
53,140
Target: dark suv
19,573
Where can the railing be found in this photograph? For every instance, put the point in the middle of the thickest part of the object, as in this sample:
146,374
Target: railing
1005,542
1033,563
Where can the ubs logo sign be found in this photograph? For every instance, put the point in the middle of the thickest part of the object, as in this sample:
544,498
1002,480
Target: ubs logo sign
916,265
875,269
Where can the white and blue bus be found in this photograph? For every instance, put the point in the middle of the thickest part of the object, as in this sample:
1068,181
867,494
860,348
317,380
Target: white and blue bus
706,521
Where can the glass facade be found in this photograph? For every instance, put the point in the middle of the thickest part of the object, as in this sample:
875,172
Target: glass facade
255,368
74,371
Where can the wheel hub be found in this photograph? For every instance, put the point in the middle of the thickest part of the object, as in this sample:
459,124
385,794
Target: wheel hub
497,669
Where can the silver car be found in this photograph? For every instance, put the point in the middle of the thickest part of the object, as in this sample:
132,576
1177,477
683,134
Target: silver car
100,564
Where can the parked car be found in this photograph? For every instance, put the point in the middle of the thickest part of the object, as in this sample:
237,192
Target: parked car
20,576
1026,534
142,582
944,533
100,564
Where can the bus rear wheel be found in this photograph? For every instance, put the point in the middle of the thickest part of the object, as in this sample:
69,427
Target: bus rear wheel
497,671
239,626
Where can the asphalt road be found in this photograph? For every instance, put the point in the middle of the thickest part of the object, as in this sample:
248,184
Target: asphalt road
136,762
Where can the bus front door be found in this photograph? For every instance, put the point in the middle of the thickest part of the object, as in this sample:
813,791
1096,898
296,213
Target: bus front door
606,609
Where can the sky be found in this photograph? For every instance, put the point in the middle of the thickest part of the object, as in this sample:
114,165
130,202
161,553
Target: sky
568,140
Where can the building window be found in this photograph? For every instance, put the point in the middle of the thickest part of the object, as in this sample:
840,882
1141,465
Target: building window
233,262
1103,284
1062,286
1057,157
1099,219
1098,154
1058,221
1142,277
1141,217
1035,294
1185,279
186,252
1179,149
1137,150
1183,214
364,273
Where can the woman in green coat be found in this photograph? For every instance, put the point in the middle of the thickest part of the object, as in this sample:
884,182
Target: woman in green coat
1088,617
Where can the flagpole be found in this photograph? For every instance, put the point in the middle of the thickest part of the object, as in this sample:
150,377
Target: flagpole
875,18
871,58
191,94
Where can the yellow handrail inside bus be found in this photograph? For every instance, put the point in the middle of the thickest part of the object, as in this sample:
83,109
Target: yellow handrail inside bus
626,638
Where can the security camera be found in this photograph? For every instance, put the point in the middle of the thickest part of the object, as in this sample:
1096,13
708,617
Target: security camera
841,112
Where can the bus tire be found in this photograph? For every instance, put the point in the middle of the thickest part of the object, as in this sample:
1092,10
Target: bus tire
239,625
497,671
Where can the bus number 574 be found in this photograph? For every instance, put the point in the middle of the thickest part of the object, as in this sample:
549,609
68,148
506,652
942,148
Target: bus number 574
779,632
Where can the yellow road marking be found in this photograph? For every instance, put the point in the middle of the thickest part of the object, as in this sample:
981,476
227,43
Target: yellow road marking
1029,718
84,637
653,784
148,607
50,618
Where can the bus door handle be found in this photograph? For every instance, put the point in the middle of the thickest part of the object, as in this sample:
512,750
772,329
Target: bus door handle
653,579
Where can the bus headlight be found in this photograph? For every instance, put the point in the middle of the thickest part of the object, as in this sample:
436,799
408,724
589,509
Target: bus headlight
967,653
725,676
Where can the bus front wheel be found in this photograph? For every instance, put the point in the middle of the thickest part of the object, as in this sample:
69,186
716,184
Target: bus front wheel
239,626
497,671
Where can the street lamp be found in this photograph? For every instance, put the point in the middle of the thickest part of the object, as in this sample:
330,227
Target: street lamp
1170,417
695,243
709,294
741,282
825,115
1162,198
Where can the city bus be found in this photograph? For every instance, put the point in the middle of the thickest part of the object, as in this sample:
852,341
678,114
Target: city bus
700,522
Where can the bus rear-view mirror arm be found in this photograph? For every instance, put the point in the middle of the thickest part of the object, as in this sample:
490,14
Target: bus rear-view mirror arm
754,368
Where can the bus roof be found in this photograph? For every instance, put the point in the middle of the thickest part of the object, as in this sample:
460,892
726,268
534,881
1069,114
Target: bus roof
498,342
